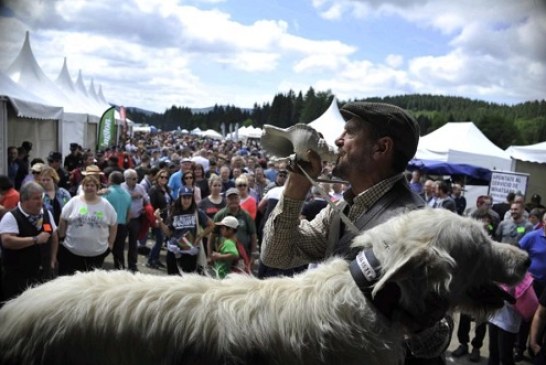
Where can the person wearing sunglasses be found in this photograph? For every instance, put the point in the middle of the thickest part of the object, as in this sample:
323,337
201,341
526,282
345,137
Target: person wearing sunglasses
248,203
160,198
188,180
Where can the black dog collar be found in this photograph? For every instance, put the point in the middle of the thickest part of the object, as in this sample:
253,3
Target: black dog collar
365,270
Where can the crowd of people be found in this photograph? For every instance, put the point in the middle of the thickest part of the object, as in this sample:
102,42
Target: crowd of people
217,207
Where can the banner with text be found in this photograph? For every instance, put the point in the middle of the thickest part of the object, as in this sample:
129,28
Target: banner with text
107,129
504,182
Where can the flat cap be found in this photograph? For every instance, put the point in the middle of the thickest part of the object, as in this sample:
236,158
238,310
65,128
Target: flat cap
395,121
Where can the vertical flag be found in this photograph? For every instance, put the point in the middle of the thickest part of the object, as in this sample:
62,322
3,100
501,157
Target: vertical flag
107,129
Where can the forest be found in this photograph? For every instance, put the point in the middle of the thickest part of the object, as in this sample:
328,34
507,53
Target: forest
504,125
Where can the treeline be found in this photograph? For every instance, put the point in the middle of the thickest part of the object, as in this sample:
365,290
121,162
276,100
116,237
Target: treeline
504,125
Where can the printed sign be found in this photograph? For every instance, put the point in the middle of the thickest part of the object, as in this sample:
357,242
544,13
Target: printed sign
504,182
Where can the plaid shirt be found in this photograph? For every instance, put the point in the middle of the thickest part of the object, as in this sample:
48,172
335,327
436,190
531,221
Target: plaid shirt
289,242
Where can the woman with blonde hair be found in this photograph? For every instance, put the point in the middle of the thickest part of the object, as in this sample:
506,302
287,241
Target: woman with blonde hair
248,203
55,197
88,225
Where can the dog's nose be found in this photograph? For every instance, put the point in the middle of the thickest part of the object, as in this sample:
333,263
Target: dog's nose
527,262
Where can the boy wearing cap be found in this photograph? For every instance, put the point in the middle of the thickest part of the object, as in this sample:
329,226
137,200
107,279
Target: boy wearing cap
226,251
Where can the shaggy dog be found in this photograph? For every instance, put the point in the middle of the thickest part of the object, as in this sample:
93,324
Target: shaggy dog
318,317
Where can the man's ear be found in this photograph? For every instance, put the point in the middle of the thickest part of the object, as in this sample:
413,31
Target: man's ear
384,145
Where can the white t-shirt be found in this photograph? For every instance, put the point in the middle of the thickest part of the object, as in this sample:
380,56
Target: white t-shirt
88,226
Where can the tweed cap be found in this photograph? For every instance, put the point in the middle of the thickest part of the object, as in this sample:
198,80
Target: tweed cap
397,123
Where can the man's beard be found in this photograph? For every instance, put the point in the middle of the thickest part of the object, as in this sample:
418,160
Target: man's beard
340,168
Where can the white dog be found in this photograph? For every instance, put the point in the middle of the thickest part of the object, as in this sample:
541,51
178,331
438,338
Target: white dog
318,317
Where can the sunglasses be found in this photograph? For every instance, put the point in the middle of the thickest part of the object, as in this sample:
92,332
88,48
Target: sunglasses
188,178
242,185
163,177
35,172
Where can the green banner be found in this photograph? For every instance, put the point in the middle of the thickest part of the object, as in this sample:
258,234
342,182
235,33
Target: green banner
107,129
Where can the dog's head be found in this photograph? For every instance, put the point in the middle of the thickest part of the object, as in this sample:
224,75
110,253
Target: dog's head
433,253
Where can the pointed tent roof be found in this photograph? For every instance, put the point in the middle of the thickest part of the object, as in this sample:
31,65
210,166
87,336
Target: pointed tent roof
26,72
102,99
79,85
330,124
25,103
463,142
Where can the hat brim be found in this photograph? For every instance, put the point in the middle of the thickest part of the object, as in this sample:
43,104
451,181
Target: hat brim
85,173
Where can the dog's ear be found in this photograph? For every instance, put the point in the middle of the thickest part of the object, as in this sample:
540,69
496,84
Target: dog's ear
435,264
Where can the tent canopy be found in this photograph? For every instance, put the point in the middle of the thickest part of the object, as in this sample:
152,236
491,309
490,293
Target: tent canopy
472,175
531,153
463,142
330,124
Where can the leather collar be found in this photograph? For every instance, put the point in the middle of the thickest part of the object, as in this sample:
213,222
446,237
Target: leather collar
366,270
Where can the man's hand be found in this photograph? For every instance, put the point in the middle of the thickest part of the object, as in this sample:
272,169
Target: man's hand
42,238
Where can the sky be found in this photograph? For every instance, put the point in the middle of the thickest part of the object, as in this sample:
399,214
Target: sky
154,54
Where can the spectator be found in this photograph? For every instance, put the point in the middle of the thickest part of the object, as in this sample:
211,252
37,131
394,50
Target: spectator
443,200
282,174
75,159
518,198
160,199
227,183
535,217
502,208
13,163
314,206
246,232
29,243
88,225
55,197
139,198
261,182
120,200
188,180
200,180
415,182
513,229
248,203
457,196
226,252
428,193
186,228
54,160
9,197
175,181
35,171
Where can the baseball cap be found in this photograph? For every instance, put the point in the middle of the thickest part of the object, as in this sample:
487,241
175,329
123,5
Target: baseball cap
185,159
185,191
37,167
395,121
229,221
232,191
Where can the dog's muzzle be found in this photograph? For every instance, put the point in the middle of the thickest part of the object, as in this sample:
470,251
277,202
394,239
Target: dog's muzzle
365,270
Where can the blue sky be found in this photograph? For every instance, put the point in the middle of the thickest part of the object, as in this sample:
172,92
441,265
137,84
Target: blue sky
157,53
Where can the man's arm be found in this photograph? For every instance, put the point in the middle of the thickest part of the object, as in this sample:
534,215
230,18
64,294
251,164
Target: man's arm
537,329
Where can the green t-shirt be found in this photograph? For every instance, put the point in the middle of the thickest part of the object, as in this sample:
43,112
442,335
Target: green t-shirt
224,267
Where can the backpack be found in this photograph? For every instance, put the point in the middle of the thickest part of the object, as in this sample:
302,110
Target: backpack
242,264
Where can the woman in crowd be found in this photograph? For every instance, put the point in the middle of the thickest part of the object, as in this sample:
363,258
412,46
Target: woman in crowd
186,227
200,180
55,197
88,225
188,180
160,198
215,201
212,203
248,203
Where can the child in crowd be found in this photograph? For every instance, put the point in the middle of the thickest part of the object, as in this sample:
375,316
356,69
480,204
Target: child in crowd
226,253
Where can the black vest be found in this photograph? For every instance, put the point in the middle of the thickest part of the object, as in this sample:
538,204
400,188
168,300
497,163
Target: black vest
29,259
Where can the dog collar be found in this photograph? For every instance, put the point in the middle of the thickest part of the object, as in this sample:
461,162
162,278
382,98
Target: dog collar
365,270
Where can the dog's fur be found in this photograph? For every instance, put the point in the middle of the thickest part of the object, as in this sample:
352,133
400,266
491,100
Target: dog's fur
318,317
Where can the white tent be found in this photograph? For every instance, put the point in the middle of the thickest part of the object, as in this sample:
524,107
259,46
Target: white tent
211,133
532,153
330,124
25,116
463,142
531,160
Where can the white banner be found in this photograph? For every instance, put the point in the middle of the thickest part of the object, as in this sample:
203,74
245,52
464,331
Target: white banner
504,182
